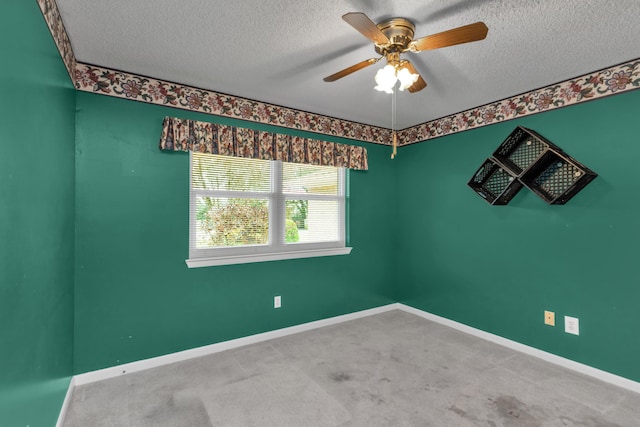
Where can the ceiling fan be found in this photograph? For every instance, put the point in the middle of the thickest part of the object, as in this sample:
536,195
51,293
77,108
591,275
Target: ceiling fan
393,37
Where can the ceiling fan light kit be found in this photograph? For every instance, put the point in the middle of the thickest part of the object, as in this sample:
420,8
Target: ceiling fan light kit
387,76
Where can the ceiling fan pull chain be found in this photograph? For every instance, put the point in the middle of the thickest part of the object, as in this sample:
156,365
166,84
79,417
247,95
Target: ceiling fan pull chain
395,145
394,135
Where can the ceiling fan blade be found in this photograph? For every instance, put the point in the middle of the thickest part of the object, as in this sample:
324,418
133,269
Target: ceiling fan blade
366,26
352,69
465,34
420,83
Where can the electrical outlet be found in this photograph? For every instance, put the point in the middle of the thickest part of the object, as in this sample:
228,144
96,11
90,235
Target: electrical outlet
549,318
572,325
277,302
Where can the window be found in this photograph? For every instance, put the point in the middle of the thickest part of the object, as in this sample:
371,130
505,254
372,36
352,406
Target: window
249,210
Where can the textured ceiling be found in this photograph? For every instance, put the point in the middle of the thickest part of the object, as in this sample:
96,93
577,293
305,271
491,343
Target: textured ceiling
279,51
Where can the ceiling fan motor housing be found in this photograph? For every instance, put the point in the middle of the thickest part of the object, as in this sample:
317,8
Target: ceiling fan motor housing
399,31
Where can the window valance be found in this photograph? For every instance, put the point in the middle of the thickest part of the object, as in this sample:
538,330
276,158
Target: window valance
191,135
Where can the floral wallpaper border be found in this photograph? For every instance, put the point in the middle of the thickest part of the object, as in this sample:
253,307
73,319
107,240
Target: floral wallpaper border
124,85
609,81
49,9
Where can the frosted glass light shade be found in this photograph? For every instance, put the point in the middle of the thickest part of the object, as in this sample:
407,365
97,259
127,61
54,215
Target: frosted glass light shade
406,78
386,79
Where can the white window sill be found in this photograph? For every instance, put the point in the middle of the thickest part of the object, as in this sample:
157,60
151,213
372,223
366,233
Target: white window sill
276,256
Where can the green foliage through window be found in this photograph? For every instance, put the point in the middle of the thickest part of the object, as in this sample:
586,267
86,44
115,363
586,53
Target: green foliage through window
232,222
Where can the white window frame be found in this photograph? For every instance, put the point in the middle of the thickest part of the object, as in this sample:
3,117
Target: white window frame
276,249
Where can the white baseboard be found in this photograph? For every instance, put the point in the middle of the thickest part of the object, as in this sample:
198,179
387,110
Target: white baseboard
532,351
65,404
155,362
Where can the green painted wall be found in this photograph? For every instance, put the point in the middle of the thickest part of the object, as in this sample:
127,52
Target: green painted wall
497,268
135,298
420,237
37,105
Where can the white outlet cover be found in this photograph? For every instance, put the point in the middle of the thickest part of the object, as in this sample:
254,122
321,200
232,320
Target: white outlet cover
572,325
277,302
